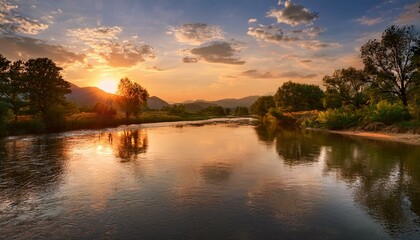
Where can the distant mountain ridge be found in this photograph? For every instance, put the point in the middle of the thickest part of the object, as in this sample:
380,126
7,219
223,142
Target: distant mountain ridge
89,96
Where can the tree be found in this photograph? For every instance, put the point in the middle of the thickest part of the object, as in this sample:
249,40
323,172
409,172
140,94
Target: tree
240,110
16,88
131,97
349,84
44,86
294,97
262,105
390,61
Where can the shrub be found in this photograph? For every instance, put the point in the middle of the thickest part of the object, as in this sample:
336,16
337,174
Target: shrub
388,113
281,118
339,118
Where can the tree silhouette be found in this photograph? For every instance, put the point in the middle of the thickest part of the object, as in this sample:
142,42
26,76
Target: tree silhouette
390,61
132,97
262,105
44,86
299,97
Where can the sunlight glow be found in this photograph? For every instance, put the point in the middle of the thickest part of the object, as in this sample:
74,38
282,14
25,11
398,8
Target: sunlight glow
108,85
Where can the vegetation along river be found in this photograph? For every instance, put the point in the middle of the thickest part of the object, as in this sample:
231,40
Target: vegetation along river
226,179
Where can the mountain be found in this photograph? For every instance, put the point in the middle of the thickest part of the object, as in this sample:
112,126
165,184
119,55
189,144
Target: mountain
156,103
89,96
198,105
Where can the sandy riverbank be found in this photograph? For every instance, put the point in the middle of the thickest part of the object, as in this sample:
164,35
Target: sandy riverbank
408,138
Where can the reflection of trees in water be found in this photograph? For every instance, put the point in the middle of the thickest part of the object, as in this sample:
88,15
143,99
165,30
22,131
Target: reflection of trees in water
385,178
295,146
30,166
217,172
131,144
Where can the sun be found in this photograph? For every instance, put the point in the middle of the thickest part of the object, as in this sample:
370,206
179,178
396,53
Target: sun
108,85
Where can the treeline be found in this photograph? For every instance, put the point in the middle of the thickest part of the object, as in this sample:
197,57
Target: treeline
215,111
32,98
386,90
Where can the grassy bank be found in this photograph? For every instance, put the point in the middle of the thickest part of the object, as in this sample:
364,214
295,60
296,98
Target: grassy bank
85,120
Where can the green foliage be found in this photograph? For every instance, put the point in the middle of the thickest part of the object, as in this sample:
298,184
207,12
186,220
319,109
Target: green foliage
388,113
390,61
241,111
44,86
106,110
262,105
4,115
214,111
281,118
292,97
348,86
340,118
132,97
332,99
175,109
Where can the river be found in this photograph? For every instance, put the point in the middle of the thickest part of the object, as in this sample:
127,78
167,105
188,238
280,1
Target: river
225,179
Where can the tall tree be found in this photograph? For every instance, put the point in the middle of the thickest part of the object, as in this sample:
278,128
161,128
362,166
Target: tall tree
349,84
299,97
4,77
132,97
390,61
262,105
16,88
44,86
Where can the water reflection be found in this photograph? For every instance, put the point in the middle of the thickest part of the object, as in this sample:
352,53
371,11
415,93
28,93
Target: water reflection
383,176
131,144
31,166
217,172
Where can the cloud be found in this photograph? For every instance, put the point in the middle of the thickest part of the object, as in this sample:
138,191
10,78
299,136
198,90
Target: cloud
252,20
155,68
189,59
270,33
104,42
216,52
253,73
301,37
126,55
293,14
95,37
196,33
12,22
369,21
410,15
15,47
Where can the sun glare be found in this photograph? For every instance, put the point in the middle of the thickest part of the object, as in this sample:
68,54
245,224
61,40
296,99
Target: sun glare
108,85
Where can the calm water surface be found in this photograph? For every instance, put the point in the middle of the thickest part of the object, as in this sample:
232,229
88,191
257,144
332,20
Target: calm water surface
213,181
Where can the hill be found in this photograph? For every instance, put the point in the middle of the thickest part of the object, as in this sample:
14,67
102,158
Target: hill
198,105
89,96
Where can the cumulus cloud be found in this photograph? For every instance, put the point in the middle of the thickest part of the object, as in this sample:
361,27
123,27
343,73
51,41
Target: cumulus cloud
410,14
196,33
302,37
95,37
216,52
369,21
126,55
252,20
12,22
15,47
104,42
293,14
270,34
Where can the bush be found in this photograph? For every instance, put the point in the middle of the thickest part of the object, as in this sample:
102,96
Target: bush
388,113
339,118
282,118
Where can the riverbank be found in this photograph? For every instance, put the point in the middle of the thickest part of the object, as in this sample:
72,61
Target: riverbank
409,138
92,121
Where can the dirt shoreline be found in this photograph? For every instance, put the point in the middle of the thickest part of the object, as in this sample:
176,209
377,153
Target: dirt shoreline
409,138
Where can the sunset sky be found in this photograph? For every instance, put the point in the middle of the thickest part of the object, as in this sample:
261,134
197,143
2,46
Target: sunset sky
195,49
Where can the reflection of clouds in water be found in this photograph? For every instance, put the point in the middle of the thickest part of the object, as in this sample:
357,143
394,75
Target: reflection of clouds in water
290,205
217,172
